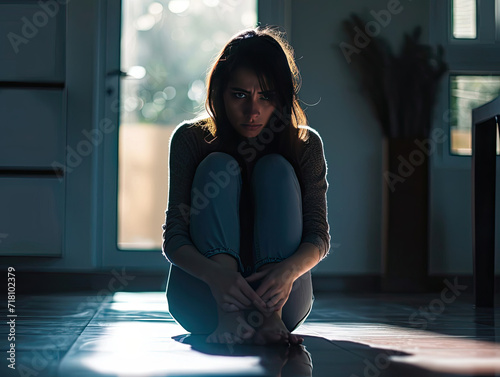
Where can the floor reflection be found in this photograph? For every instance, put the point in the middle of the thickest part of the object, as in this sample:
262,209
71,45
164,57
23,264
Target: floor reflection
485,323
132,334
276,360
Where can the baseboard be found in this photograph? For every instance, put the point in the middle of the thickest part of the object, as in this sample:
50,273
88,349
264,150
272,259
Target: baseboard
376,284
31,282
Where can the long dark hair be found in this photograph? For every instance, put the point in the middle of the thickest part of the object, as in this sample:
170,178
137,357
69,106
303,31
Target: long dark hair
265,52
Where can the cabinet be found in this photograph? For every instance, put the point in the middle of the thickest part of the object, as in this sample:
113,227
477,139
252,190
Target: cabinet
32,128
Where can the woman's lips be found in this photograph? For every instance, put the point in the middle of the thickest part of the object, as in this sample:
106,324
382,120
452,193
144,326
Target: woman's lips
252,126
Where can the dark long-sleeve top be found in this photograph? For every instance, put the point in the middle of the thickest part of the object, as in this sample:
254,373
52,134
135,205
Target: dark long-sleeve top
188,147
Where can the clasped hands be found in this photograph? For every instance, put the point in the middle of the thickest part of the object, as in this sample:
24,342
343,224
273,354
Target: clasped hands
233,292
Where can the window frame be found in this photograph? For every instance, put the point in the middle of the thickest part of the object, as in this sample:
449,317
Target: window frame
464,57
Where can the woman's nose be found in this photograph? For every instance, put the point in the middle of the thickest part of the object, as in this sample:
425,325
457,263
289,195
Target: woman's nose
252,109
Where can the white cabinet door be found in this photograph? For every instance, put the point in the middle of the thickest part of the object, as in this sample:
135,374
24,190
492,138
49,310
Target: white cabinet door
32,43
31,216
33,128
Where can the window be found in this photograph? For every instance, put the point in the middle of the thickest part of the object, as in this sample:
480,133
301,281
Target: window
166,48
467,93
464,19
469,30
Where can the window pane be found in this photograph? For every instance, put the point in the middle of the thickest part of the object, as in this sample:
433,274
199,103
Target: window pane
497,20
464,19
166,47
467,93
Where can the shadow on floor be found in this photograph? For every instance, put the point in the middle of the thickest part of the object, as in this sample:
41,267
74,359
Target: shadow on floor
297,361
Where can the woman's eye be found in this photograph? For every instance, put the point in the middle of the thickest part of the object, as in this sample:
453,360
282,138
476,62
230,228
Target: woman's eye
239,95
269,96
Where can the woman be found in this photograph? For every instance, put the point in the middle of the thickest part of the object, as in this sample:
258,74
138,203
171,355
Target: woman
247,217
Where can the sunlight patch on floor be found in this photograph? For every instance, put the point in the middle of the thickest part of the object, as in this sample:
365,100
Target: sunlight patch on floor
427,349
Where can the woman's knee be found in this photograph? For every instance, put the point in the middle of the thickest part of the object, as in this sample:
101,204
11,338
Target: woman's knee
219,162
274,166
275,171
219,170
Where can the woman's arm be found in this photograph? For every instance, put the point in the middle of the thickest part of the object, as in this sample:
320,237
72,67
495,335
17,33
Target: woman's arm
316,229
182,168
278,278
304,259
189,259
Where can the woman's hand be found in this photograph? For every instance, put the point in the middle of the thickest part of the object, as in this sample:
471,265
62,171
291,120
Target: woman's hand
232,292
277,281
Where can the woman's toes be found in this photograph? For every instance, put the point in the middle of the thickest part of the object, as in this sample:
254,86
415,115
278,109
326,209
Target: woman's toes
233,339
270,337
237,340
281,337
294,339
247,335
225,338
275,338
228,338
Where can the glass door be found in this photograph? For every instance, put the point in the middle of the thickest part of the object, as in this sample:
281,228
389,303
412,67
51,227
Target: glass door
158,53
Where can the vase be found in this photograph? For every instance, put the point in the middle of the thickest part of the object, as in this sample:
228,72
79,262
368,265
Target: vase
405,206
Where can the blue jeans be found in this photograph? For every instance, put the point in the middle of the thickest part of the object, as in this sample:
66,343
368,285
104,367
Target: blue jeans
215,229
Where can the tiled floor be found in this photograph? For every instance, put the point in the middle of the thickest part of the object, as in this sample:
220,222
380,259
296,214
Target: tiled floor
131,334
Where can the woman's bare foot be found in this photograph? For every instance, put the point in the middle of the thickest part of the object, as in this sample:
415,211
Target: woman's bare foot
273,330
236,328
232,329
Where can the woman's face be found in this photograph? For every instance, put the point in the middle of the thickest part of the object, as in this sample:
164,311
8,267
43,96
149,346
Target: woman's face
248,107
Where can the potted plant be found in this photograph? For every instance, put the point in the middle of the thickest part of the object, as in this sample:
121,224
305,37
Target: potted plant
401,89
